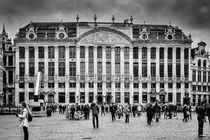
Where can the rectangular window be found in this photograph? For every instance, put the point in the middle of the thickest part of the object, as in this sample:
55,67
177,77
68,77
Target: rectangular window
31,85
178,85
51,69
99,52
161,69
31,95
162,85
61,97
153,53
108,52
126,53
199,88
91,85
117,69
126,85
108,71
135,97
199,76
153,70
144,97
135,85
126,69
169,69
21,85
186,85
170,97
82,69
72,68
61,68
135,70
178,98
144,85
91,68
90,52
72,52
21,52
178,70
108,85
135,53
10,77
117,54
31,52
186,53
91,97
186,69
72,85
117,85
161,53
99,86
41,67
170,85
82,97
22,69
153,85
194,75
99,70
170,53
71,97
21,97
61,85
31,69
51,52
204,76
51,85
178,51
144,53
82,85
10,60
82,51
61,51
144,69
41,51
117,97
127,97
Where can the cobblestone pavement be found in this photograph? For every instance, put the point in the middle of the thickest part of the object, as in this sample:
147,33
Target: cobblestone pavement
57,127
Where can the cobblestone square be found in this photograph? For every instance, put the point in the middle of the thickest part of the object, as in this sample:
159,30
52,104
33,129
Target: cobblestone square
57,127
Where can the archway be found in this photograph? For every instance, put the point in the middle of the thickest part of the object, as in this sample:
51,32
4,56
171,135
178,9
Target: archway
100,99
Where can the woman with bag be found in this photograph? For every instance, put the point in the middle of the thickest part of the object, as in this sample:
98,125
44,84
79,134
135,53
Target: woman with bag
23,116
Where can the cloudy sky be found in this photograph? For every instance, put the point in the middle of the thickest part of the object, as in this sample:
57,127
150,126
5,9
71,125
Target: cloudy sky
193,16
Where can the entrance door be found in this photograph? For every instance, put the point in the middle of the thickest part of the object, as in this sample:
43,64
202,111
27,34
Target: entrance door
108,98
162,98
100,99
51,99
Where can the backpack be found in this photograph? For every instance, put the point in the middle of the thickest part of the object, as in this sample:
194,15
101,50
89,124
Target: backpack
30,117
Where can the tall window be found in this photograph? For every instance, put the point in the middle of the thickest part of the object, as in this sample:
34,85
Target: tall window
41,67
99,69
153,70
51,68
178,50
199,63
126,69
61,68
31,69
186,70
51,52
144,69
61,97
91,68
170,53
99,52
135,53
91,95
31,52
135,70
72,68
72,52
117,97
41,51
21,52
82,97
153,53
126,53
144,53
117,54
91,52
71,97
170,70
199,76
10,60
108,52
204,63
82,68
22,69
82,51
117,69
178,70
108,71
194,75
61,52
161,53
204,76
186,53
161,69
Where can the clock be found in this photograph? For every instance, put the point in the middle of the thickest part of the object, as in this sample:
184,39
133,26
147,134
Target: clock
31,36
144,36
61,35
170,37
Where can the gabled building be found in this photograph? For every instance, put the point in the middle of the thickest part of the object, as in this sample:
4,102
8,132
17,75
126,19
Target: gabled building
119,62
200,68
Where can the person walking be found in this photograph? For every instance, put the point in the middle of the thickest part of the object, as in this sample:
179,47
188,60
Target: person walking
208,112
201,111
150,113
23,116
102,110
157,110
95,111
113,112
127,114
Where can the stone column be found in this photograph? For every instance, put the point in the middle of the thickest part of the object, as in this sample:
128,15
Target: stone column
26,73
148,72
17,76
158,72
87,74
95,70
122,86
113,71
36,62
104,72
46,69
174,74
166,72
77,72
182,75
140,75
131,73
56,73
67,74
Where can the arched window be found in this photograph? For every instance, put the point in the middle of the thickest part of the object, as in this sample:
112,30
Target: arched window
199,63
204,63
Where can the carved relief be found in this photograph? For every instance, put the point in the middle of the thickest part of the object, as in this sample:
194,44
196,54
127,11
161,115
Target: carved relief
104,38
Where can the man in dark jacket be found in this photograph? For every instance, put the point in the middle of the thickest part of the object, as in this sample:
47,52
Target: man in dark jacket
201,111
113,111
95,111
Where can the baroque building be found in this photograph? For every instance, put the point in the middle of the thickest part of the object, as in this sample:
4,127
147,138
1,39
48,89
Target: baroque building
7,73
200,68
119,62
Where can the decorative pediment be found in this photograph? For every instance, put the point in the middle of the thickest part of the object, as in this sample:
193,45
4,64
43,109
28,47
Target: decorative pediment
104,38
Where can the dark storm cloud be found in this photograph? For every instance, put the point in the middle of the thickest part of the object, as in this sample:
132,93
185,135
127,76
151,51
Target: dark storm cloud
193,15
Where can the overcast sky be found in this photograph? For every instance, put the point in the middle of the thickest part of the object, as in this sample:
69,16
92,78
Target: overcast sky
193,16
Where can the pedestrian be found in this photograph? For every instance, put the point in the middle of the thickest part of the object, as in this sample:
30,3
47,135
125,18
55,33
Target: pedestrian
201,111
72,111
23,116
119,111
102,110
95,111
186,113
113,112
127,114
208,112
157,110
150,113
